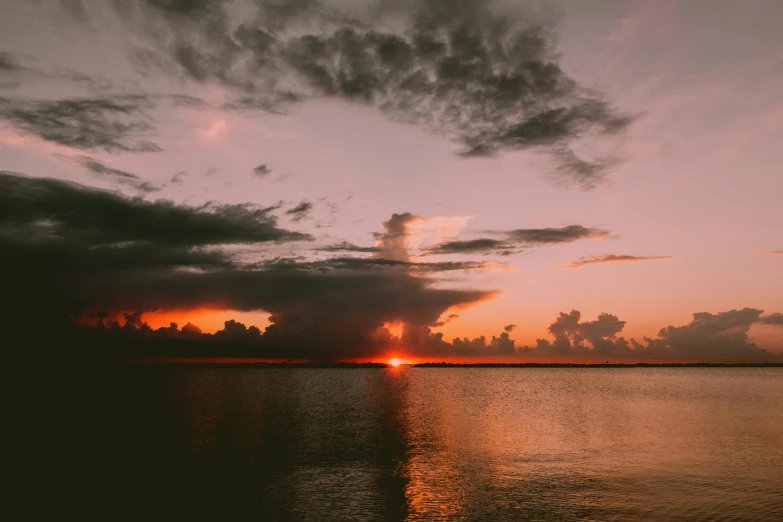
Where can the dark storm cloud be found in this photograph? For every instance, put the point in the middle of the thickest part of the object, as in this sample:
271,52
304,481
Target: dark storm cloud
69,250
476,71
39,208
300,212
612,258
113,124
512,240
118,176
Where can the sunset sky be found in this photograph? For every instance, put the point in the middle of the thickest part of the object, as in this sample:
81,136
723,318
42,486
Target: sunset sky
365,179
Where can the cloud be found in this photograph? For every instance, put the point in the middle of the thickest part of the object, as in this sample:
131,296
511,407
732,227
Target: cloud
708,337
11,71
262,171
69,250
473,246
300,212
447,320
612,258
393,242
542,236
511,241
345,246
723,335
776,319
114,175
573,170
774,252
8,63
570,336
481,73
38,209
373,263
112,124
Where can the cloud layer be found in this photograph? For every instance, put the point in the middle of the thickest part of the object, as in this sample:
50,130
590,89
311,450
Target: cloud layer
70,250
482,73
111,123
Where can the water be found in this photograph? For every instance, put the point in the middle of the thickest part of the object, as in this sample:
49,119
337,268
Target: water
435,444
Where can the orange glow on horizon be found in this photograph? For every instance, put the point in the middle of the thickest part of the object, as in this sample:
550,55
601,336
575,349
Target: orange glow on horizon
395,362
210,320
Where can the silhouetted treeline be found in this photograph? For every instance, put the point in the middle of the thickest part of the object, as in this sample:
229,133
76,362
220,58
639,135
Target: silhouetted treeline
601,365
268,364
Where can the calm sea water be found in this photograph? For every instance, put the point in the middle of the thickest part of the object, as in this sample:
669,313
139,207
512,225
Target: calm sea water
438,444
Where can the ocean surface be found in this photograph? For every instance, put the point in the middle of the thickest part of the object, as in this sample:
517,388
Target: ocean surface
430,444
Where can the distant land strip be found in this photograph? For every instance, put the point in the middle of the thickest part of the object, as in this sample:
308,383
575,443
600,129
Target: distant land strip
599,365
343,364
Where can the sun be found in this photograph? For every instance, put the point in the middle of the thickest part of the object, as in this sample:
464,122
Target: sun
394,363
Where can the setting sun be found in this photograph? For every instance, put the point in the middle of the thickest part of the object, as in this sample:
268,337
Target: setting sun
395,362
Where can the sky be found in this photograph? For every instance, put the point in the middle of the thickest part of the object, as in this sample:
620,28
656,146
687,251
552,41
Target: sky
427,179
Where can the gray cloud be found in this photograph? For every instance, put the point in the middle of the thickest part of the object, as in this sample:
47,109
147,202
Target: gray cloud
612,258
262,171
38,208
300,212
482,246
345,246
115,175
8,63
370,263
393,241
513,240
570,336
708,337
475,71
544,236
113,124
776,319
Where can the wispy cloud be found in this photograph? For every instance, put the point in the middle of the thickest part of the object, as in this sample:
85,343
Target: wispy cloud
512,241
612,258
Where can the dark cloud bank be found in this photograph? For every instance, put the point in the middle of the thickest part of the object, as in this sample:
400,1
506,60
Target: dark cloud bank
479,72
72,255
